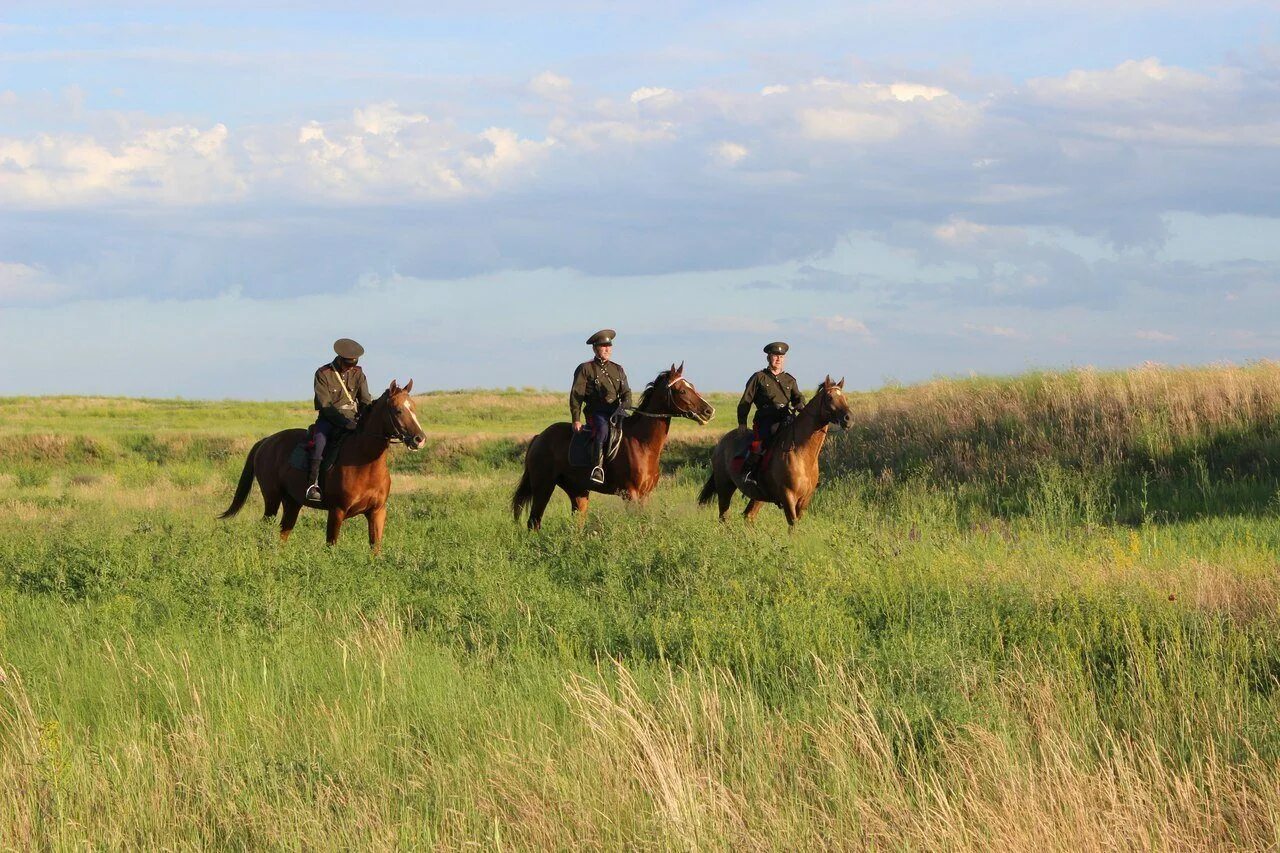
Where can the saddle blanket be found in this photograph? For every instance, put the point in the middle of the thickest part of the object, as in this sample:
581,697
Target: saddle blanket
580,447
300,457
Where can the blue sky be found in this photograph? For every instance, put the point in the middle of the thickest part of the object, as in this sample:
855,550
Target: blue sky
197,198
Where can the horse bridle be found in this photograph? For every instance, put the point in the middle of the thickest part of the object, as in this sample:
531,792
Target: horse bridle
671,399
397,434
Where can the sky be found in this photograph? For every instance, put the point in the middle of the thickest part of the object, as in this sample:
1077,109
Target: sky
197,198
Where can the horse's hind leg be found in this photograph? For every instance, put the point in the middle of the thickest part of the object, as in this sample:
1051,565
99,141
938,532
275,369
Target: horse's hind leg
724,494
270,503
288,518
538,505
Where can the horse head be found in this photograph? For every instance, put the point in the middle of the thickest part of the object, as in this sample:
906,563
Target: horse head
833,406
401,419
681,398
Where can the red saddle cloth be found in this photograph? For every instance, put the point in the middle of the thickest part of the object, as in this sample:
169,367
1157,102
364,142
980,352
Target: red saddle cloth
752,446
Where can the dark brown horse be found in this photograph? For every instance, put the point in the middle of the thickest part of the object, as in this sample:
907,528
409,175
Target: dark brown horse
357,484
632,474
789,475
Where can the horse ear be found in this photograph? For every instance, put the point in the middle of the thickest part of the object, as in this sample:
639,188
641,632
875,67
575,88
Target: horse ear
827,383
680,369
408,387
839,384
393,389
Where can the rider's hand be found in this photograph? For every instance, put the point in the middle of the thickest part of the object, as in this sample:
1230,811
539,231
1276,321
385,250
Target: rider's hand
577,425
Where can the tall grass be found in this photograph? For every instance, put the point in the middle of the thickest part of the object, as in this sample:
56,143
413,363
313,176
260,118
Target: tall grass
962,648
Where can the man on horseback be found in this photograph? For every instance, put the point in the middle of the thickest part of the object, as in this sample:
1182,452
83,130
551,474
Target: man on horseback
599,385
341,394
776,396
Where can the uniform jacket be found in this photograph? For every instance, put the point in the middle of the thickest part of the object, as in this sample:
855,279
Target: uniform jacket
767,391
600,386
332,402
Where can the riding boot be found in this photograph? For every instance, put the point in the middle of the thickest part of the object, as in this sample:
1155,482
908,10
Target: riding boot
749,468
313,491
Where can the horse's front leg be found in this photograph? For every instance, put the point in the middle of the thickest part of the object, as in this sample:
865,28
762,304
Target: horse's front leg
336,517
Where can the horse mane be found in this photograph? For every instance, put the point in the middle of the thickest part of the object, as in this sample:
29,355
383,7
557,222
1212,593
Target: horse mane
648,389
362,419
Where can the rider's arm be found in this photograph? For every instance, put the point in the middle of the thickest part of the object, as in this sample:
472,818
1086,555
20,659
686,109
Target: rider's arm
624,392
748,397
363,397
577,394
797,399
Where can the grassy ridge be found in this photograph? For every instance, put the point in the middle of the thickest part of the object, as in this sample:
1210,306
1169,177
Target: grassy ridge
966,646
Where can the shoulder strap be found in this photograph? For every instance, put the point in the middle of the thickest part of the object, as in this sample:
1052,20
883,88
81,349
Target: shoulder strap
343,386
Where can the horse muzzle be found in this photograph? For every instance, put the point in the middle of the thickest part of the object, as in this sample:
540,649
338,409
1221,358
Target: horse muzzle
415,442
703,416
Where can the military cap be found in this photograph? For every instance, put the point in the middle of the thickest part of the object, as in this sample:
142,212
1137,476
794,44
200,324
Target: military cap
604,337
777,348
347,348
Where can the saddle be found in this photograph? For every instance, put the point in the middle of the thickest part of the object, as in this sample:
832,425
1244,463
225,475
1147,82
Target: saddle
583,441
763,444
300,457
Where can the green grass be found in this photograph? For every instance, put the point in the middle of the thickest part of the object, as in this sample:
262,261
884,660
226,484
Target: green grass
958,649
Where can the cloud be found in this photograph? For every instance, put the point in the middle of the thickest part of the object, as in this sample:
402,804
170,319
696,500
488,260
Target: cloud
996,331
1154,336
24,284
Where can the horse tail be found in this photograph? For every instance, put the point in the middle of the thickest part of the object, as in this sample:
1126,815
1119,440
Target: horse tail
522,496
246,483
708,491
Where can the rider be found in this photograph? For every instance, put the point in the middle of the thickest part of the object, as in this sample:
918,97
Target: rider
600,384
776,397
342,393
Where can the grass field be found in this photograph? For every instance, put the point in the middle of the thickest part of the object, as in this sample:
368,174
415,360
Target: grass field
1038,611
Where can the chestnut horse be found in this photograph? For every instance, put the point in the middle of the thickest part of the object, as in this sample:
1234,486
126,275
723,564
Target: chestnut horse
788,476
357,484
632,474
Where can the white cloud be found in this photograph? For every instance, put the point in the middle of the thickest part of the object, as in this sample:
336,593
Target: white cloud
992,331
22,283
1154,336
842,125
843,325
651,93
731,153
551,86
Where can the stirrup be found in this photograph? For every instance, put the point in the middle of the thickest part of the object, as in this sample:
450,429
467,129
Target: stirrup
313,492
597,474
750,478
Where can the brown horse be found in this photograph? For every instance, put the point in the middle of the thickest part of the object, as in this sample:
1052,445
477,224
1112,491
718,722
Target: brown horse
789,475
357,484
632,474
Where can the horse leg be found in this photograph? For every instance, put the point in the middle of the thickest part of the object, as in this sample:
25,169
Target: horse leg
289,518
541,497
336,517
753,507
724,495
579,504
790,511
270,503
377,519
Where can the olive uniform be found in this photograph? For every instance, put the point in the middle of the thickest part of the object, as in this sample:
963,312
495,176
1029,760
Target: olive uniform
775,397
341,394
337,405
601,388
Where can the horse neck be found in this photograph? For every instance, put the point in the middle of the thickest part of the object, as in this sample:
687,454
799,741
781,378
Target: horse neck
369,438
806,430
647,431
